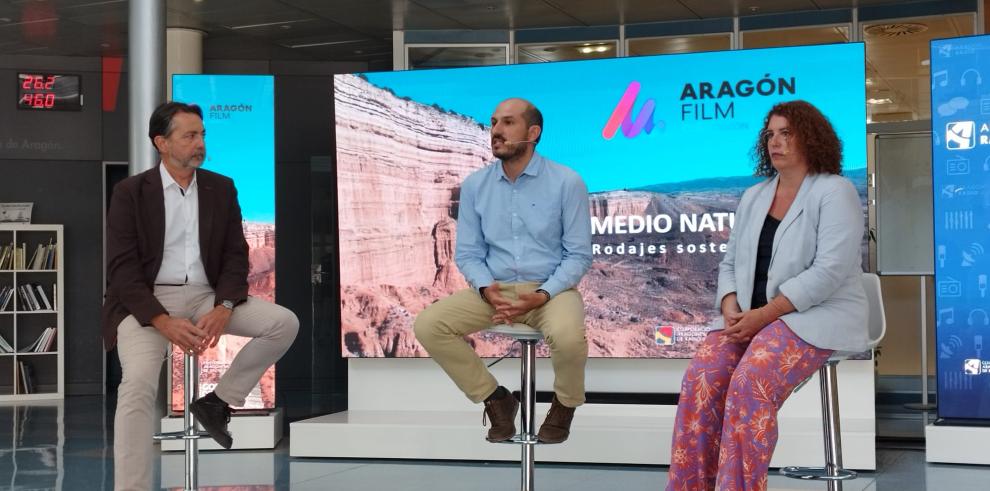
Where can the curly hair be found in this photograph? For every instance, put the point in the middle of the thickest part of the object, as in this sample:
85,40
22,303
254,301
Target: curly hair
814,135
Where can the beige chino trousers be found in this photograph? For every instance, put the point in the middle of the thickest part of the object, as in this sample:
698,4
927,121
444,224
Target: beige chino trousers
441,328
143,350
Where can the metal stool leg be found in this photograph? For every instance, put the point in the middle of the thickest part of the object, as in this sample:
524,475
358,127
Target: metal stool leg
191,391
527,391
833,472
189,433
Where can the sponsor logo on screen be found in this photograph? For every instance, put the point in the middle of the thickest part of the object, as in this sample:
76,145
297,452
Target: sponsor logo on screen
960,135
976,366
664,335
622,115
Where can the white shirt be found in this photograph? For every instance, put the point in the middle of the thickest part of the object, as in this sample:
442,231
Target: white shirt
181,261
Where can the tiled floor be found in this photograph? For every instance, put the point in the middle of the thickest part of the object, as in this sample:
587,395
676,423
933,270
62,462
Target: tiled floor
67,448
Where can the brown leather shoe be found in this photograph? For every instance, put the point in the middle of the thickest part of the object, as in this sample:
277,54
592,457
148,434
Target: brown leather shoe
557,425
502,413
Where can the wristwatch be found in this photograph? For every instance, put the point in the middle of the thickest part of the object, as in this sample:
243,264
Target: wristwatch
228,304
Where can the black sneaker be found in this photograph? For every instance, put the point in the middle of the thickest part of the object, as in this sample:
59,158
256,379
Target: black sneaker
213,415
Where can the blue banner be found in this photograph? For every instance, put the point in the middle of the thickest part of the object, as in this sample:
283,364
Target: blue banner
961,188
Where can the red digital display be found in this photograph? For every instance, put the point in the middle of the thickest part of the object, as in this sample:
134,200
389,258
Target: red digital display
42,91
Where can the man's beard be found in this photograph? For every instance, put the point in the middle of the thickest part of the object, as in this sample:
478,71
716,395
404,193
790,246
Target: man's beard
510,152
194,162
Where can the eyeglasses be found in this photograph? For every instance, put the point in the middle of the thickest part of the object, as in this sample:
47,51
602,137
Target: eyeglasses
767,135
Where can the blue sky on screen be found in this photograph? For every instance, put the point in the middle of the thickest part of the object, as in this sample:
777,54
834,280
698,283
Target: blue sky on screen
240,143
577,98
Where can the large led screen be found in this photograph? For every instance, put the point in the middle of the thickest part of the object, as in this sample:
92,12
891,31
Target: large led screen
239,118
663,142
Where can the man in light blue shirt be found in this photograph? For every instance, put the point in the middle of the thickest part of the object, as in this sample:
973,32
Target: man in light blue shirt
523,243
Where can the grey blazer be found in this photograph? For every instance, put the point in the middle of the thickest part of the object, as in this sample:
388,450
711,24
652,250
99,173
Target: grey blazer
816,260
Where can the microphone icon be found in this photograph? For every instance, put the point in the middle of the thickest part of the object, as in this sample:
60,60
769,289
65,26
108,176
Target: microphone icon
941,256
982,283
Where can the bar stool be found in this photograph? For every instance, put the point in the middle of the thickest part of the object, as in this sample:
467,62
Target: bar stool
833,473
528,337
189,434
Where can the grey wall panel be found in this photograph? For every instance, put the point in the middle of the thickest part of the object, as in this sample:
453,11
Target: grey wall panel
59,135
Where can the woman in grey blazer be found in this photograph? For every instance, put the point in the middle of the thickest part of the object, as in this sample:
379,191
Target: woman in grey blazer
790,294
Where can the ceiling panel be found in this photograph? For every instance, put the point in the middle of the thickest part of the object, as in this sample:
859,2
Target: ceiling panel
519,14
372,17
710,10
846,4
652,11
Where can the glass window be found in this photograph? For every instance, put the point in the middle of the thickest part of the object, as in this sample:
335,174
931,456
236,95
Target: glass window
898,87
795,36
680,44
446,56
539,53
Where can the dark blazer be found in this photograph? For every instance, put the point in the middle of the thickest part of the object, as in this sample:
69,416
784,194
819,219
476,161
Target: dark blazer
136,241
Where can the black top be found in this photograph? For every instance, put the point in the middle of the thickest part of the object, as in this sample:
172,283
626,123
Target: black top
764,251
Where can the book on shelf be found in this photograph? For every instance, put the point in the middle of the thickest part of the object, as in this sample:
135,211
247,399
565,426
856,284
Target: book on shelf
6,293
5,347
34,257
19,253
23,304
5,254
43,343
50,257
25,378
43,296
30,299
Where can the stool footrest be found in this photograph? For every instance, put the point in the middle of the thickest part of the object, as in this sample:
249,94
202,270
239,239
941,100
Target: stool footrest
525,440
817,473
181,435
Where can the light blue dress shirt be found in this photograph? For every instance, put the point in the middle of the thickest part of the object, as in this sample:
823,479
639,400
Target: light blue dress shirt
537,229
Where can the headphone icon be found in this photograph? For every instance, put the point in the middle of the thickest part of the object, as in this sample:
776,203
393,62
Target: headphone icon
979,78
970,320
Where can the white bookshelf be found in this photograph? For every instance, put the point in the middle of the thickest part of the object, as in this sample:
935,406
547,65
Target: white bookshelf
20,326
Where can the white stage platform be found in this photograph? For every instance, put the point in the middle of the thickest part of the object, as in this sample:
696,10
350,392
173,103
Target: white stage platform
408,409
250,432
957,444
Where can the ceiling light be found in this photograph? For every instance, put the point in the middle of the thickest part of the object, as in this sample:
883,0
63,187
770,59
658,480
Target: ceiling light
284,24
601,49
4,19
885,100
326,43
586,49
926,62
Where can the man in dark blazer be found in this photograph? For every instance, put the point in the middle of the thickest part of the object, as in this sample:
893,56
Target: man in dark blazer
177,266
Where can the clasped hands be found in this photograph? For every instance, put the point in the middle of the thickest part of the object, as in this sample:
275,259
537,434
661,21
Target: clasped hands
194,338
507,310
740,327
